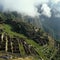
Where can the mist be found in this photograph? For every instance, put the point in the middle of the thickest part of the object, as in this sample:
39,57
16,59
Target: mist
27,6
48,12
50,21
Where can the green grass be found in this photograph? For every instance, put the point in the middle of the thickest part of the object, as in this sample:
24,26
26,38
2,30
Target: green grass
37,47
22,51
8,30
43,51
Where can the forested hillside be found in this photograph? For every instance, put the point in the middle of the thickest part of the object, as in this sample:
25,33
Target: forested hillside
21,38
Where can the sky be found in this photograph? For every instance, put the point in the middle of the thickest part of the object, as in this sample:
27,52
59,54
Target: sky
28,6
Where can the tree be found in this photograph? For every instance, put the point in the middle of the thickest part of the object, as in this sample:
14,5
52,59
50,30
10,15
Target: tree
2,18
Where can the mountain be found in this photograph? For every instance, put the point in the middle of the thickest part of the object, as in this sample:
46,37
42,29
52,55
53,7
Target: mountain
51,24
1,8
21,39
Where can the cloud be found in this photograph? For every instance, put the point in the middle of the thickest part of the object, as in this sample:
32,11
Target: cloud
55,1
26,6
46,10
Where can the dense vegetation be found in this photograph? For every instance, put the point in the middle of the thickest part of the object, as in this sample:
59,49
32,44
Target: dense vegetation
27,29
14,25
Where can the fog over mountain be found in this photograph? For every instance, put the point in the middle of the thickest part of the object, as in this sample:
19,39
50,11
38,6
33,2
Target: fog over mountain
28,6
48,12
51,22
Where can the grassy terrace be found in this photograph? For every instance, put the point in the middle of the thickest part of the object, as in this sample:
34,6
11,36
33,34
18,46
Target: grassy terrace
43,51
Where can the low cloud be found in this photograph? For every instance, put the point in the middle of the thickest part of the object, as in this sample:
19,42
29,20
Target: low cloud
46,10
27,6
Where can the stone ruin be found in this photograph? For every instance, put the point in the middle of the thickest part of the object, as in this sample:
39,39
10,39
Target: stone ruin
11,45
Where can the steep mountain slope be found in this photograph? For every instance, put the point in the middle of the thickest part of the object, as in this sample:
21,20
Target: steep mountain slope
21,39
26,46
